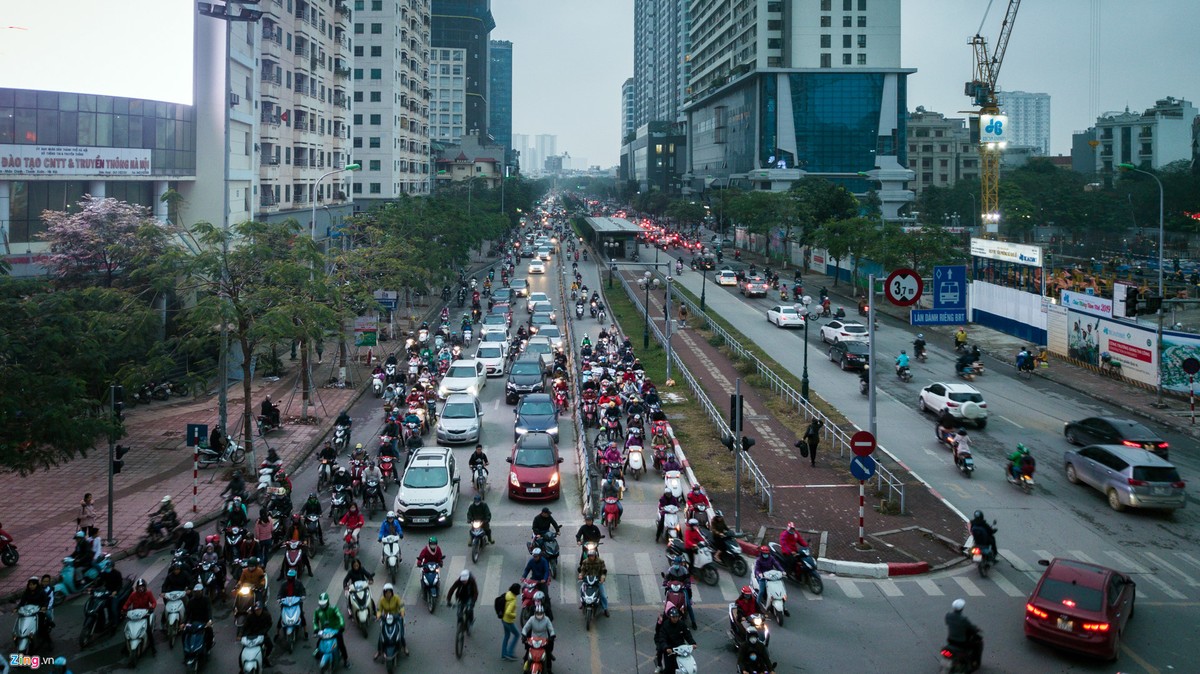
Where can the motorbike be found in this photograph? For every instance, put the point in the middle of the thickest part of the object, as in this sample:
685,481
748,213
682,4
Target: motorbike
210,578
372,496
9,554
293,557
776,600
579,311
864,385
234,453
685,663
982,556
966,373
358,597
339,501
590,419
97,615
560,400
72,582
704,568
1023,479
251,658
324,473
25,631
612,515
729,555
959,660
589,597
531,597
377,384
341,437
389,632
387,466
243,599
479,478
290,617
963,461
635,461
670,518
137,624
156,538
195,655
349,549
536,661
479,539
673,482
329,658
431,575
172,615
391,555
612,429
548,542
904,373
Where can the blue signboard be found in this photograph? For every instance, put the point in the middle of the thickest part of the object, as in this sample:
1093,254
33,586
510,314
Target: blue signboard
938,316
950,287
196,434
862,467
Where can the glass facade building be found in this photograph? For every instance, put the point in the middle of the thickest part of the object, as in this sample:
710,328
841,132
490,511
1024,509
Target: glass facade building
466,25
500,83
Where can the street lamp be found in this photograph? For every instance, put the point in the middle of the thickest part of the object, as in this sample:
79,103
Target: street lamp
804,301
610,250
1130,167
703,285
647,283
312,229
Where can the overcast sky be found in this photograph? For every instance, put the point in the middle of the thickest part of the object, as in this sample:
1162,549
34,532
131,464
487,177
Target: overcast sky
571,56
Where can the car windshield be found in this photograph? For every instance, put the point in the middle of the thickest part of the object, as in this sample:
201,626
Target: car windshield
1071,596
501,310
488,352
541,319
855,329
856,348
501,293
964,397
459,411
517,283
535,457
538,348
421,477
1156,473
550,331
526,368
462,372
541,409
494,320
495,337
538,297
788,311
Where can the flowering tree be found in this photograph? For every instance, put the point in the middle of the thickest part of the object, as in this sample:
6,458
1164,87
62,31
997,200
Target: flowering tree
105,239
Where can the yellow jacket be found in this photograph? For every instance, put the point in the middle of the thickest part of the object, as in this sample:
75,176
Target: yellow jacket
510,607
391,604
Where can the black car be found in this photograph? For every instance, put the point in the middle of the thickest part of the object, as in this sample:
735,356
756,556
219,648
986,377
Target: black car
849,355
524,377
1114,431
536,413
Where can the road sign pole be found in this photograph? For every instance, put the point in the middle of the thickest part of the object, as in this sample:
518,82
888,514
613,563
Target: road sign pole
872,366
1192,397
862,500
737,457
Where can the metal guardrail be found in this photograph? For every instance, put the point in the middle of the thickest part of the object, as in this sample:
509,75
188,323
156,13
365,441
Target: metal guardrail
762,486
885,478
583,456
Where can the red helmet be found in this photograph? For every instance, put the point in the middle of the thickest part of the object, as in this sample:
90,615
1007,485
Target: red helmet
747,591
764,550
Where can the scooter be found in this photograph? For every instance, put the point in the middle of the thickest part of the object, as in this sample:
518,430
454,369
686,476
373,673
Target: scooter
377,384
244,597
1024,479
479,539
372,497
960,660
740,628
195,655
685,663
8,551
729,555
548,542
431,575
674,595
635,461
358,597
339,501
72,583
293,557
327,651
904,373
589,597
387,467
982,556
341,436
210,578
964,462
173,615
391,555
312,525
290,616
155,538
704,568
536,661
349,549
389,633
137,624
612,515
776,599
252,654
670,518
97,616
25,630
674,483
233,453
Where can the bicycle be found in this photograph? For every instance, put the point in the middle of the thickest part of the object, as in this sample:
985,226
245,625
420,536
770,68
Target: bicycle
462,628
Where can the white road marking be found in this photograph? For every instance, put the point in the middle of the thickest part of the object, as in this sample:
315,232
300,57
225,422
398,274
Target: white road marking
1006,586
647,577
850,588
889,588
1188,558
930,587
1166,565
1010,421
491,577
968,586
1143,573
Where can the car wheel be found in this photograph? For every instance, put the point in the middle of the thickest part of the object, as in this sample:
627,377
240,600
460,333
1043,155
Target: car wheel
1072,476
831,358
921,404
1071,438
1114,501
842,364
1116,647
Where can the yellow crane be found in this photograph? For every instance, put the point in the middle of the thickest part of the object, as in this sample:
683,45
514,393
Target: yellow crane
982,92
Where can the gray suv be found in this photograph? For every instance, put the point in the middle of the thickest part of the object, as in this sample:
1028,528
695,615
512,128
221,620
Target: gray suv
524,377
1129,477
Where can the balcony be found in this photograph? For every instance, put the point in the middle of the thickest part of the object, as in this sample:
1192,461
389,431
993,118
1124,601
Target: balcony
266,200
342,73
343,9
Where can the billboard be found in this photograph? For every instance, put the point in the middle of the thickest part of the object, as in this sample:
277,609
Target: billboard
132,48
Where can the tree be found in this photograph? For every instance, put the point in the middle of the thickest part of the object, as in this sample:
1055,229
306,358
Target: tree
843,238
920,249
106,238
686,212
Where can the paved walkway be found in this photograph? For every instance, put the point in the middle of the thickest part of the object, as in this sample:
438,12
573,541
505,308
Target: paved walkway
821,499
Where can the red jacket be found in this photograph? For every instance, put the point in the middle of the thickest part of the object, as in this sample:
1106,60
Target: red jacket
144,599
692,537
694,499
426,555
747,607
791,542
353,519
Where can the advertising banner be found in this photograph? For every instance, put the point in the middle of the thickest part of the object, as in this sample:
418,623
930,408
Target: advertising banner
1088,304
1009,252
67,161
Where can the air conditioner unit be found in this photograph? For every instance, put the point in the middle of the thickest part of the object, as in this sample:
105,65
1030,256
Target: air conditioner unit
234,99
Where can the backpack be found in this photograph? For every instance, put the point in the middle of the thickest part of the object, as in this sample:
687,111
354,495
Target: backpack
500,604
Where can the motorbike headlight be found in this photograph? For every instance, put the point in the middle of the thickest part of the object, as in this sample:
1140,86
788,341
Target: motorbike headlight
244,590
477,524
553,480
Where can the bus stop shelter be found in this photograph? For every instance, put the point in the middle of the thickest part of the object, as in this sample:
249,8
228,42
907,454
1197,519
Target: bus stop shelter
614,238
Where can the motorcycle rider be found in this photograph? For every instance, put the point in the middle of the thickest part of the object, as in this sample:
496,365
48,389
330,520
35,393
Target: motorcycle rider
391,603
744,606
790,542
353,521
697,500
189,542
328,616
671,463
594,566
753,653
431,553
902,361
312,506
669,634
962,445
960,338
467,591
372,472
692,538
35,596
947,424
720,533
114,582
479,510
355,574
258,624
543,523
390,526
142,597
199,610
478,458
344,420
237,485
164,520
964,364
1021,461
681,572
254,576
588,532
537,569
960,632
540,625
919,345
765,562
342,478
177,579
984,534
83,556
665,500
270,412
864,376
389,450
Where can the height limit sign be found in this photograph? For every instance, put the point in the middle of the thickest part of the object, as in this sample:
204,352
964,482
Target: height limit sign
903,287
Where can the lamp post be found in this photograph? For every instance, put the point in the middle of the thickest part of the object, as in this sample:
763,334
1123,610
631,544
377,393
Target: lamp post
703,286
610,250
804,377
647,283
1130,167
312,230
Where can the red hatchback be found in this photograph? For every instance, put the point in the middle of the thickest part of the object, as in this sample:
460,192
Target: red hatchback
534,475
1081,607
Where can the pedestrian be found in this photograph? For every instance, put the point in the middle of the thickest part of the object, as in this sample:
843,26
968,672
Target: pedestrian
812,437
512,637
264,531
86,520
683,313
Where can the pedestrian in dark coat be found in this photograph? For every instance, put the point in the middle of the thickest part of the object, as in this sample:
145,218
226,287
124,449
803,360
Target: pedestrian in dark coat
812,438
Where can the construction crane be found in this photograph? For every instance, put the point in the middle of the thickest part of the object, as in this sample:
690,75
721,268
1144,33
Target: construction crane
982,92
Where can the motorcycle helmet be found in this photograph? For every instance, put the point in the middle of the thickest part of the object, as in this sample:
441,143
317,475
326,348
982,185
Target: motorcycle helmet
80,534
764,550
391,514
592,552
433,540
747,592
537,552
358,446
588,517
140,584
673,612
477,499
958,605
389,586
903,352
920,335
257,606
977,515
166,499
1021,448
323,600
695,489
237,499
791,526
188,525
539,610
693,522
465,575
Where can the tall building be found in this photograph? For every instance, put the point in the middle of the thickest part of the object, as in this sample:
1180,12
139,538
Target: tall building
520,146
447,94
1028,119
628,110
391,111
544,146
1154,138
461,28
660,60
940,151
780,90
500,83
304,115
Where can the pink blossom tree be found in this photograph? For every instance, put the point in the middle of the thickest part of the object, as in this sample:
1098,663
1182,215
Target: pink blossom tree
106,239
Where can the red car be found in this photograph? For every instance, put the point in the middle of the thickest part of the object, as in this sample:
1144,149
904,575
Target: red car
1081,607
534,473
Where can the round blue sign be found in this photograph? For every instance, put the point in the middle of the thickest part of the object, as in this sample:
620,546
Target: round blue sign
862,467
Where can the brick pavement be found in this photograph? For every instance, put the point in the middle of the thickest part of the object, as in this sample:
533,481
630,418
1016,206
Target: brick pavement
823,499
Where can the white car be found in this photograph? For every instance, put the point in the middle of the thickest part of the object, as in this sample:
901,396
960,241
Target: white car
494,323
466,375
428,489
491,354
543,253
520,287
537,267
543,348
785,316
459,419
961,400
838,331
726,277
552,333
535,297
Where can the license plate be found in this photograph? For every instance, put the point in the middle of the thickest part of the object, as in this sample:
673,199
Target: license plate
533,490
1065,625
1160,490
420,520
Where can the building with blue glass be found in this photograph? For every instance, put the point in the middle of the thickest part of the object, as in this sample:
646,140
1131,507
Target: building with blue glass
500,85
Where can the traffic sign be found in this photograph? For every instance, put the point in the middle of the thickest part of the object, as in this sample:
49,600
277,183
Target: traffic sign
862,467
196,434
937,316
903,287
1191,365
950,287
862,443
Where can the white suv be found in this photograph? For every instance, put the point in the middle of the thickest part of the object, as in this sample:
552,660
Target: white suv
962,401
429,488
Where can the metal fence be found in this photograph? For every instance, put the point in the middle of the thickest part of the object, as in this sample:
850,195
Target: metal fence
762,486
583,456
885,478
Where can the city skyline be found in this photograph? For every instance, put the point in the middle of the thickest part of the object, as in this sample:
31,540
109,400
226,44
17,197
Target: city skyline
578,97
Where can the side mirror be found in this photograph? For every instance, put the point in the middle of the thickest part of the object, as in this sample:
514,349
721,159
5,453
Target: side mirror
560,459
508,459
1044,562
456,479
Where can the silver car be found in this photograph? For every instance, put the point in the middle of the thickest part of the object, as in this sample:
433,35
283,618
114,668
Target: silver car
459,419
1128,477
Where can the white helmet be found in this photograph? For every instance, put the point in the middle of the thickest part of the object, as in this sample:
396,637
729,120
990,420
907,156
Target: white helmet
391,514
188,525
388,586
958,605
465,575
166,499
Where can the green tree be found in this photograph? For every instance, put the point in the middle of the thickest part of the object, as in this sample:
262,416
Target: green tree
920,249
845,238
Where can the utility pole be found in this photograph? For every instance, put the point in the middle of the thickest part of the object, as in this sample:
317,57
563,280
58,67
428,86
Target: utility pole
872,370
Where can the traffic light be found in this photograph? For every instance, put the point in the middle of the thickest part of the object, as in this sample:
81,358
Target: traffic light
1131,298
747,443
118,462
1152,304
727,440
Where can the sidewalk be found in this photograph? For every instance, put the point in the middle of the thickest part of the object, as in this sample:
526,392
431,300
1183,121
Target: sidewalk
822,499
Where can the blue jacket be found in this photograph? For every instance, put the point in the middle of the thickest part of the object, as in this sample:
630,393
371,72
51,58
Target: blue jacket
390,527
537,569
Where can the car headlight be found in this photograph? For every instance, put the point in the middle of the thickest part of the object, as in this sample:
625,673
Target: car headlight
441,503
553,430
553,480
512,479
522,431
509,385
402,503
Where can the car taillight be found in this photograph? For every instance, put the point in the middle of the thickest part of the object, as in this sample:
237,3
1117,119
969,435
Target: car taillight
1137,483
1095,627
1179,485
1036,612
1131,443
951,403
946,653
1162,445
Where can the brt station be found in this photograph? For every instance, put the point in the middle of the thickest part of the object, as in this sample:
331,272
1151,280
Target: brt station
614,238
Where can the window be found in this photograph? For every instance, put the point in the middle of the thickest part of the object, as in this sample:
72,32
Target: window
826,61
862,5
927,177
847,21
376,188
847,5
862,22
826,22
845,59
374,165
357,120
358,141
376,5
376,51
826,5
376,73
862,59
357,189
376,120
845,42
358,97
376,97
358,72
826,42
377,29
862,41
374,142
358,5
358,29
944,163
358,52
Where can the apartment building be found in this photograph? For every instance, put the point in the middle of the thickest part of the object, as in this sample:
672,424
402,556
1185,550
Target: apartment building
940,151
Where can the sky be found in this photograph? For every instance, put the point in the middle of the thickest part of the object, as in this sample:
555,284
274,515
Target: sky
571,56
